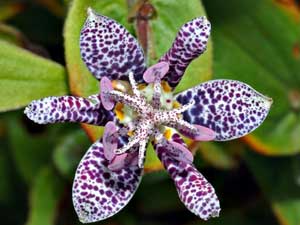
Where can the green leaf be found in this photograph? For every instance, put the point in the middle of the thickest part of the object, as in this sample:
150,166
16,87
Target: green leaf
6,181
171,16
30,153
287,212
10,9
9,34
39,24
153,202
257,42
219,156
45,195
279,179
69,151
257,216
25,76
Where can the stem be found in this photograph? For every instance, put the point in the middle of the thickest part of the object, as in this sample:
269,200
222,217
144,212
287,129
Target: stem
141,12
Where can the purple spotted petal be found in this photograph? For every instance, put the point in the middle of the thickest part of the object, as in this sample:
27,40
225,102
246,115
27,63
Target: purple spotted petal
193,189
98,192
109,50
190,42
68,109
231,108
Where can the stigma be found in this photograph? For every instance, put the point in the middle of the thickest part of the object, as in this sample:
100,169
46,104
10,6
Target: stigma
146,113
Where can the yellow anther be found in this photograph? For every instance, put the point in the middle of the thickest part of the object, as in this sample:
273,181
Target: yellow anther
176,105
168,134
142,86
130,133
119,111
122,86
166,87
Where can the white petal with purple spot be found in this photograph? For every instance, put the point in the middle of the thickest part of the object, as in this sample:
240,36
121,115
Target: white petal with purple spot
197,194
231,108
109,50
68,109
98,192
190,42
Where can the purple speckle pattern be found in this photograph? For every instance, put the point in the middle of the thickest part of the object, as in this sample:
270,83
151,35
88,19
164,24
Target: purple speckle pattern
68,109
108,49
193,189
190,42
231,108
105,181
98,192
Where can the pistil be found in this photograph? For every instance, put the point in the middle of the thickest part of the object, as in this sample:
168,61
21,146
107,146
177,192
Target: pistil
151,117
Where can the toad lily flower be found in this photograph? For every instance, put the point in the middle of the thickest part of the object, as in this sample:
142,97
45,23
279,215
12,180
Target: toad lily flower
136,105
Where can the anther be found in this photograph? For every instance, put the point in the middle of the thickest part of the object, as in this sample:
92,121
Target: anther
134,85
105,89
154,74
142,149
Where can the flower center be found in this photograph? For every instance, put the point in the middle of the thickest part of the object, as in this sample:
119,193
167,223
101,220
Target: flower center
148,111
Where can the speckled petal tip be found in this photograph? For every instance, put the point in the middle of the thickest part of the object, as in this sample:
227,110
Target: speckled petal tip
193,189
68,109
109,50
231,108
190,42
98,192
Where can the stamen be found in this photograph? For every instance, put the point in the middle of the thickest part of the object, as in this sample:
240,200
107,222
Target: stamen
142,150
106,88
196,132
154,74
118,162
138,104
179,152
135,140
143,132
176,150
109,140
134,86
150,118
183,125
185,107
156,94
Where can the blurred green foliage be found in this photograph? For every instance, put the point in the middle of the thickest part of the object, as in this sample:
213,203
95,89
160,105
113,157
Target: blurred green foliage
257,178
